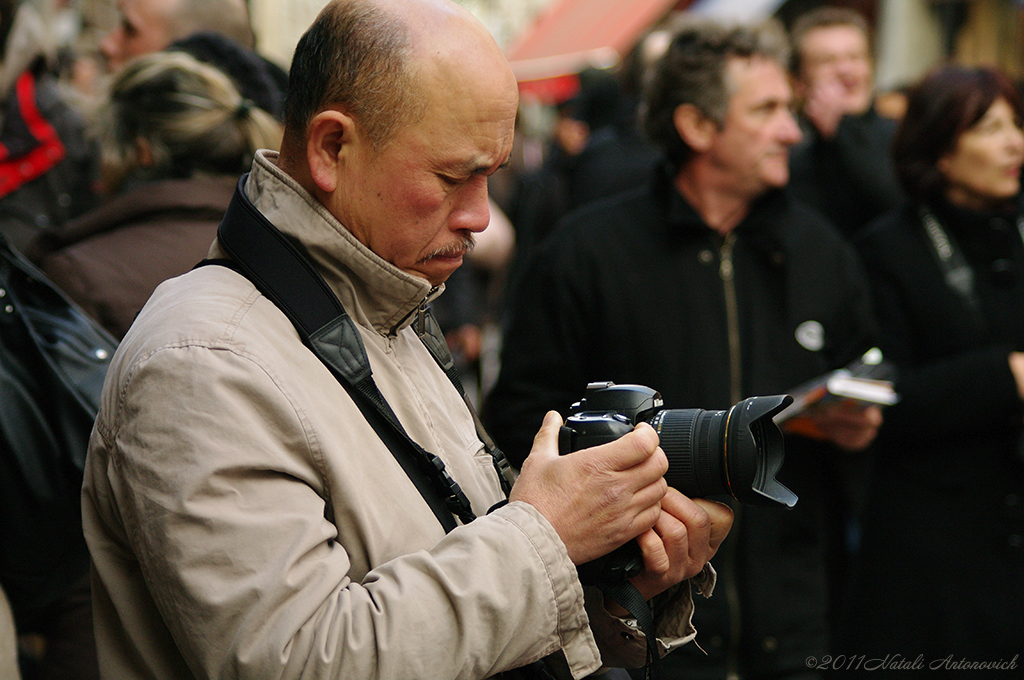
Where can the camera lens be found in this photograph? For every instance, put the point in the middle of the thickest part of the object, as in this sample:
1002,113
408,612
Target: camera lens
736,452
688,436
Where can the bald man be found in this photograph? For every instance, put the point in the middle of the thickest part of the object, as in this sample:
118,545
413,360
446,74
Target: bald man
244,518
146,26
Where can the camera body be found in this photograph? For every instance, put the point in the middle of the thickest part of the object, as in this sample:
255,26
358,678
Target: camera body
736,452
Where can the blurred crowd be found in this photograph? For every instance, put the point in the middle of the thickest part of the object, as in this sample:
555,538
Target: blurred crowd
730,212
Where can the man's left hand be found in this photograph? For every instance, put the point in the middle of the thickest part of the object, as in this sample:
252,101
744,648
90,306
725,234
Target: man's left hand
685,537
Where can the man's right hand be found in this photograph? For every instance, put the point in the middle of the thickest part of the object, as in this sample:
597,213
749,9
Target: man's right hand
825,105
598,498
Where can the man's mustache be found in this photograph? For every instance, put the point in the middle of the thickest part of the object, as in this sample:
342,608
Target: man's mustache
465,244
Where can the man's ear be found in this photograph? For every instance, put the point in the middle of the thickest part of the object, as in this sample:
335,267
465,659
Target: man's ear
696,129
330,140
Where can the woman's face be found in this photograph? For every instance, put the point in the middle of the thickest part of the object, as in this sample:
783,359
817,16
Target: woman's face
983,169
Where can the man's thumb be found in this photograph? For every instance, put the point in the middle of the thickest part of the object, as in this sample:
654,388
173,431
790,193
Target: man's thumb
546,440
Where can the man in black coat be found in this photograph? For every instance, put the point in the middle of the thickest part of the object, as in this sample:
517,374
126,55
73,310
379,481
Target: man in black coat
710,285
842,166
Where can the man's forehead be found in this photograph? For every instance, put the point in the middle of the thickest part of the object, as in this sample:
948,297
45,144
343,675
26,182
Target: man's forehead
833,37
149,7
747,76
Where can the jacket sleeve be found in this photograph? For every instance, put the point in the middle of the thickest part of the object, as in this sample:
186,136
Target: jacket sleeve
216,485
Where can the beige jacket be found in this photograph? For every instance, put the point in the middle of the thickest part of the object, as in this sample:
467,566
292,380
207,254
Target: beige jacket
246,522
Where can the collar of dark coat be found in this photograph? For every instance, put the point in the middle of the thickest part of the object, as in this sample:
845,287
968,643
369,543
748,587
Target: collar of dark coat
199,198
762,228
983,235
966,222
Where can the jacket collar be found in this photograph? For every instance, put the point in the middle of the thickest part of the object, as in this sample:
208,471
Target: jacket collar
760,226
374,292
204,195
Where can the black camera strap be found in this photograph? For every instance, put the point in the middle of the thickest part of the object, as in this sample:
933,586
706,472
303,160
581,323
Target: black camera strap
629,598
282,272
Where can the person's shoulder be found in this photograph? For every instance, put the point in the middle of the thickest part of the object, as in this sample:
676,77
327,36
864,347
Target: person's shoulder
145,218
205,341
875,122
812,240
888,239
595,233
210,306
607,215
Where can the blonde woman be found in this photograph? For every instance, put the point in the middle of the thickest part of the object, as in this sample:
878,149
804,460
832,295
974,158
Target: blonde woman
174,136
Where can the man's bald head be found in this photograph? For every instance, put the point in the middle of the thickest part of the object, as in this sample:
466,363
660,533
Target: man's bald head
229,18
147,26
382,56
397,112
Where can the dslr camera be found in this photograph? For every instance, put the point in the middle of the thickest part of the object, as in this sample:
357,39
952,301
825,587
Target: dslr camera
736,452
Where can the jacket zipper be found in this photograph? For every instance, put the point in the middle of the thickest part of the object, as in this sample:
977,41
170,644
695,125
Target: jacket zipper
727,272
418,311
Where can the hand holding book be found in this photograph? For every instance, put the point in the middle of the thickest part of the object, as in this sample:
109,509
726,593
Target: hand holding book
835,404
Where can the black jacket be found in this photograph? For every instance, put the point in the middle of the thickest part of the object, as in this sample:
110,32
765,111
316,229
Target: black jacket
849,178
942,559
630,291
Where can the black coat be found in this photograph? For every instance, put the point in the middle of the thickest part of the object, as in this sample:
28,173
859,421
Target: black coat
849,178
942,563
629,290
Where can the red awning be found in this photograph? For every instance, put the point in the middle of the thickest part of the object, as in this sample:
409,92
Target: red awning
571,35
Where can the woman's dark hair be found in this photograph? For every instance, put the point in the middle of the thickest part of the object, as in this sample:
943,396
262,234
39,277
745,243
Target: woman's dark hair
944,105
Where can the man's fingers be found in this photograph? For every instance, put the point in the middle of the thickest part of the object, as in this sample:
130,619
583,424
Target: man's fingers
656,558
695,520
721,517
686,535
873,414
637,448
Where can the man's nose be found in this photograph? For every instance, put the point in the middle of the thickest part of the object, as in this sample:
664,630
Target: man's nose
790,131
474,212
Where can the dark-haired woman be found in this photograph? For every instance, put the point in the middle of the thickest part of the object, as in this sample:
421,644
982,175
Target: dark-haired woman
941,571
